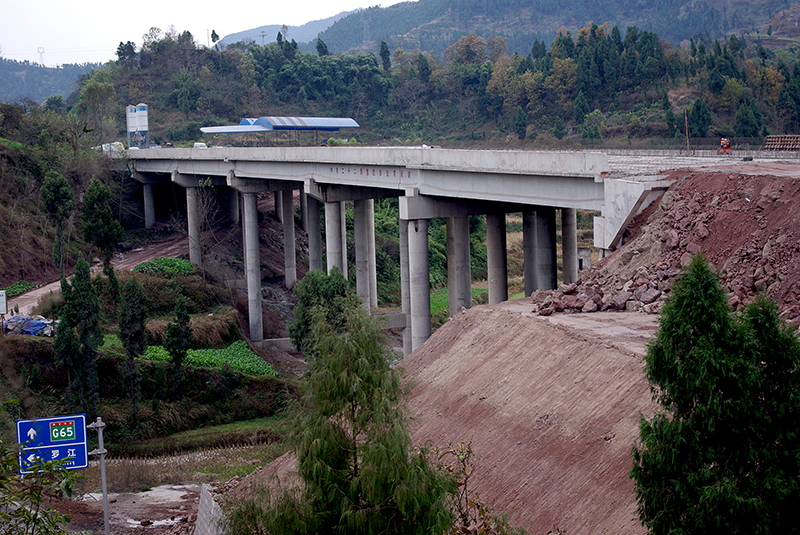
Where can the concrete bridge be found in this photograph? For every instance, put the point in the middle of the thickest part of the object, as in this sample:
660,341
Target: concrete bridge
430,183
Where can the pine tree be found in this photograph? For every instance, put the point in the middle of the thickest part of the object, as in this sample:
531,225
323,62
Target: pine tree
521,123
132,316
59,202
580,107
723,453
78,338
178,341
359,472
100,228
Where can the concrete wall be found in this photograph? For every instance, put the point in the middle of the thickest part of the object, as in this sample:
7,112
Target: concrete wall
209,514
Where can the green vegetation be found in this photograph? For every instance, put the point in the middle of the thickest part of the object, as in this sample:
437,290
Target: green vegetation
440,299
723,453
165,266
237,356
25,499
18,288
358,470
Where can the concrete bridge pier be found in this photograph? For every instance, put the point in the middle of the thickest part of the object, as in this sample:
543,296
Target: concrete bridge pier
193,224
149,206
289,255
361,236
252,256
233,206
314,230
569,244
459,272
278,201
334,243
419,282
497,257
405,286
539,249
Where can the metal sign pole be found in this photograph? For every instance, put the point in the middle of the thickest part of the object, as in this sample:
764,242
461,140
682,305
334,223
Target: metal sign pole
101,451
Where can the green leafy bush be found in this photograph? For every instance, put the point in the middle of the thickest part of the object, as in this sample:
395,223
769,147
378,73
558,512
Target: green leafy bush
237,355
165,266
19,287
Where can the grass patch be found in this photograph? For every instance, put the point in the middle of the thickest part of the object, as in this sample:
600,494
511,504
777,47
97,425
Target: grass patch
440,300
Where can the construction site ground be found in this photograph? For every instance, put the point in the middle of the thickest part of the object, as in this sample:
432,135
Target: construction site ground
551,403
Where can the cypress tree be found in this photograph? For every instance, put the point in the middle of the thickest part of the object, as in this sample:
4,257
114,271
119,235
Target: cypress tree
723,453
132,316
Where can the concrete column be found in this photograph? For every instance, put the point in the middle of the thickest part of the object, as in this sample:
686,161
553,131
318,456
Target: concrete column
405,286
546,254
149,206
373,267
333,235
344,238
279,205
539,249
361,236
419,282
289,258
233,205
304,211
193,222
459,273
528,251
569,244
314,235
496,258
253,267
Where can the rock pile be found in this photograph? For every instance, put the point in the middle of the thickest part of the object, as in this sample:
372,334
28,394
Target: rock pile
746,226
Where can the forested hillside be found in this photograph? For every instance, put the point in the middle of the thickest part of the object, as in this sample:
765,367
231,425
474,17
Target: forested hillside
22,79
598,82
432,25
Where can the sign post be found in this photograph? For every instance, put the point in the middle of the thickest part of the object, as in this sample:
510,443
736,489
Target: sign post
3,312
52,439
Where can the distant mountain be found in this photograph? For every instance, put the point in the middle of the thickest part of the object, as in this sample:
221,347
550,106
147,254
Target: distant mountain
22,79
302,34
433,25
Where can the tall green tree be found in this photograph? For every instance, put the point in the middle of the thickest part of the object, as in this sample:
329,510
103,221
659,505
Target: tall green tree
332,294
100,228
699,119
359,472
56,195
723,453
78,337
745,123
580,107
132,316
521,123
178,341
386,56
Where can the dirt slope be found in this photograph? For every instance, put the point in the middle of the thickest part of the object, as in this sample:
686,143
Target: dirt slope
550,408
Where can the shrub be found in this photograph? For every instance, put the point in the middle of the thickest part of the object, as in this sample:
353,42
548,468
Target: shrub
165,266
19,287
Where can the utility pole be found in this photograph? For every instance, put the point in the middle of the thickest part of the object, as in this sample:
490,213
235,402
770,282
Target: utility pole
263,34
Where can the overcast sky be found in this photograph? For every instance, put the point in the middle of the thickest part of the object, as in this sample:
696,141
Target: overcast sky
89,30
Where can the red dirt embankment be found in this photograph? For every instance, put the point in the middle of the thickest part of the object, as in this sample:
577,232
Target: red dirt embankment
551,410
